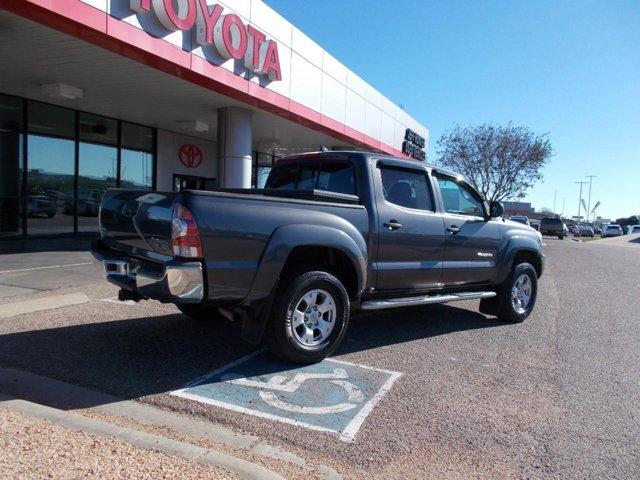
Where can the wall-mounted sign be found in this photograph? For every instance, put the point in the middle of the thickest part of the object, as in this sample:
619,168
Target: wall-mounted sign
230,36
413,145
190,156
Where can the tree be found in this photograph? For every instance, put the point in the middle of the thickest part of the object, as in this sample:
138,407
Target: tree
500,161
624,221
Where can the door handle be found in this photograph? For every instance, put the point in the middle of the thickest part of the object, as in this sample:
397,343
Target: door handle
453,229
393,225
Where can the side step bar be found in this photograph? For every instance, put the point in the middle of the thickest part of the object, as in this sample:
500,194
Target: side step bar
424,300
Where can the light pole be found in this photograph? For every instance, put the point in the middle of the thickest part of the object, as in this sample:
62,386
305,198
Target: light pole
563,199
555,194
580,198
590,177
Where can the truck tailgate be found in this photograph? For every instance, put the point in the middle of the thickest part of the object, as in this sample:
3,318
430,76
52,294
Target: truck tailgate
138,222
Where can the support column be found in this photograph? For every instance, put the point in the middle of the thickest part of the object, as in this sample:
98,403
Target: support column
235,138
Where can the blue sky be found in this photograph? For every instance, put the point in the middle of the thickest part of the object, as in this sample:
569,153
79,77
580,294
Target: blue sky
567,68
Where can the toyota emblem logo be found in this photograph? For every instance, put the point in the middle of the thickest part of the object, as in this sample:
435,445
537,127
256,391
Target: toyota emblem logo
190,156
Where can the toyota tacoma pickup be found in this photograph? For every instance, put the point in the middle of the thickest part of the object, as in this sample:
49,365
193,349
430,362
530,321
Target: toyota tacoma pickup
331,232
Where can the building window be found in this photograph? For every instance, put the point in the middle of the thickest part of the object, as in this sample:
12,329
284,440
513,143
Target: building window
262,165
50,185
71,158
11,115
136,169
96,129
51,120
137,137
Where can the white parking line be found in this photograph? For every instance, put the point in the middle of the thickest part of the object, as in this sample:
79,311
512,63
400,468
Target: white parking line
44,268
119,302
44,303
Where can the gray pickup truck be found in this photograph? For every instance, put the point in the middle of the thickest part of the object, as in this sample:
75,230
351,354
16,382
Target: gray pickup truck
330,233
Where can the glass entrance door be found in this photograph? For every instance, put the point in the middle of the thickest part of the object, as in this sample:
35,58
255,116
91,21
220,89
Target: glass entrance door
189,182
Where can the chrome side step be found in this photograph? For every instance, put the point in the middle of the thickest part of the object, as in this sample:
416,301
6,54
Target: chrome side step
424,300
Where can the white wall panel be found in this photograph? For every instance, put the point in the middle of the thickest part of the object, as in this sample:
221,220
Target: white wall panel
270,22
306,48
99,4
334,95
355,83
240,7
334,68
373,96
389,107
373,121
355,111
388,129
398,137
306,82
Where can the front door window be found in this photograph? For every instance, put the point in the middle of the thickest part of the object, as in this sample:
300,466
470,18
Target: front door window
458,198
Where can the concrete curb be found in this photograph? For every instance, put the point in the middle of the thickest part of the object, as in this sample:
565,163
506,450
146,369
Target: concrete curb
76,422
62,395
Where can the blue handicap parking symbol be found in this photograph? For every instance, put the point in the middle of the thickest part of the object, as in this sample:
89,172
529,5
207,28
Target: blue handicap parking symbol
331,396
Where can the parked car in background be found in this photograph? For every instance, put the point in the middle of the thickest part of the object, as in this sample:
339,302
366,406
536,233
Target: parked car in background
597,230
612,230
585,231
88,203
40,205
552,226
520,219
566,230
535,224
573,229
634,229
625,229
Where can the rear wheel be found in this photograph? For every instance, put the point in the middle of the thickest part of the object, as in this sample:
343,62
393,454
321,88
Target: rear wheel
309,317
200,312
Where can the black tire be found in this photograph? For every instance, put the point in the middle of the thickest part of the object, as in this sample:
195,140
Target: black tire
205,313
507,312
280,337
560,237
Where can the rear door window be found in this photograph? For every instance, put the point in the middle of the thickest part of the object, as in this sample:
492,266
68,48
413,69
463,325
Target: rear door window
407,188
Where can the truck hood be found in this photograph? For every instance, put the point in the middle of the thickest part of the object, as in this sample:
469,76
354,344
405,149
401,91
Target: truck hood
526,230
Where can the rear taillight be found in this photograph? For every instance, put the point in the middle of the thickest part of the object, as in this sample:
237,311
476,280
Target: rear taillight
185,237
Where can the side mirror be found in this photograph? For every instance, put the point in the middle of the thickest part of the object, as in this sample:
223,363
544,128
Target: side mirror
496,209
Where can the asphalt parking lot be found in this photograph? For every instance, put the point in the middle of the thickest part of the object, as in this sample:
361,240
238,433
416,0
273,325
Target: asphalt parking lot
555,397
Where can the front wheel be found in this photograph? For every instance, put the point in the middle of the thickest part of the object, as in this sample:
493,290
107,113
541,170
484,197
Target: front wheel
309,317
518,294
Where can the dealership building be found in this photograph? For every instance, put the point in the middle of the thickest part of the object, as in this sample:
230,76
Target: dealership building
164,95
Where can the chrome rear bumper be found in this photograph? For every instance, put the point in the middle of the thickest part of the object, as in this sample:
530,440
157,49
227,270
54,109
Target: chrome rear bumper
174,282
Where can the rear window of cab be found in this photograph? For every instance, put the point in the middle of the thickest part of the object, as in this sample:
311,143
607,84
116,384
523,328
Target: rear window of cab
330,175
